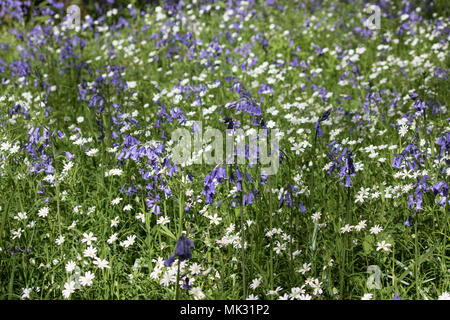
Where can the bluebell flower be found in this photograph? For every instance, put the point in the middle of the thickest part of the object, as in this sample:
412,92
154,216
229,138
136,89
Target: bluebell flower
440,187
324,117
69,156
444,142
218,174
183,250
264,178
186,285
152,204
397,162
413,95
246,103
248,198
302,207
417,202
348,170
168,262
408,222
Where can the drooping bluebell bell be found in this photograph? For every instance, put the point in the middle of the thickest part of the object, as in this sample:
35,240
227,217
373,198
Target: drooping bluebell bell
69,156
318,49
216,176
396,297
397,162
324,117
441,187
182,251
246,102
408,221
186,285
287,198
444,142
264,178
231,124
413,95
415,199
168,262
348,170
152,204
248,198
301,207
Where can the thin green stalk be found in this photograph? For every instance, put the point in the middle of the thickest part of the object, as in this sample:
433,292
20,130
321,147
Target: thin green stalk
180,232
58,214
271,246
314,247
291,254
180,214
177,291
416,256
11,278
349,221
313,162
342,269
244,280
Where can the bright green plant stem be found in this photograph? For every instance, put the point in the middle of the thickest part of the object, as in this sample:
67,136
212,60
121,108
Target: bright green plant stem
244,280
180,232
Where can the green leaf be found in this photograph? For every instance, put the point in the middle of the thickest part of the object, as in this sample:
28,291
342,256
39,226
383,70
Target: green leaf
368,244
221,4
167,232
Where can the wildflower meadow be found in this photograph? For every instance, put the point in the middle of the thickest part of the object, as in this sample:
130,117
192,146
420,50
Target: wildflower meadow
219,149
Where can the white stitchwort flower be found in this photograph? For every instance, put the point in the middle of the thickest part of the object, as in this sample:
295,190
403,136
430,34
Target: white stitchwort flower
115,222
383,245
129,242
163,220
86,280
376,229
43,212
116,201
102,263
346,228
60,240
444,296
70,266
316,216
255,283
90,252
112,238
69,288
21,216
361,225
195,269
92,152
26,293
197,293
88,238
367,296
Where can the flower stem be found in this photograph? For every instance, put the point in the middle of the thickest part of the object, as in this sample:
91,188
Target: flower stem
177,290
244,280
180,232
416,253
